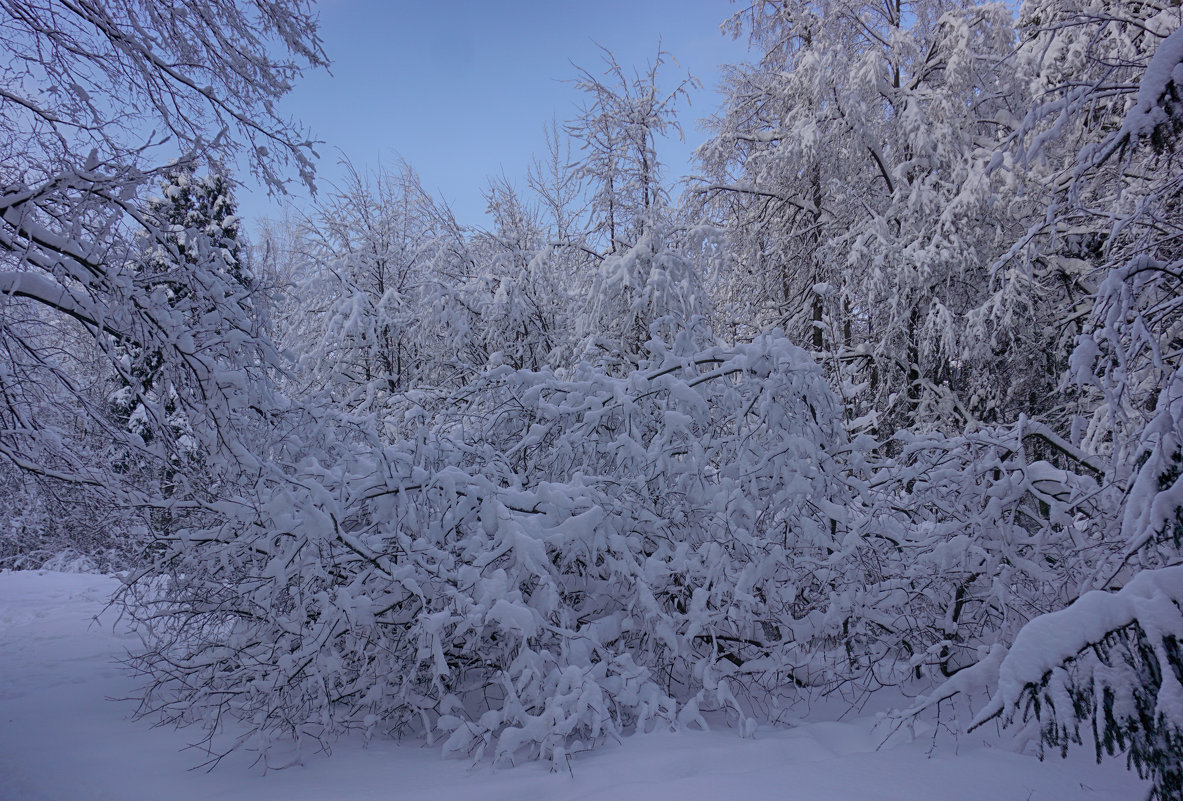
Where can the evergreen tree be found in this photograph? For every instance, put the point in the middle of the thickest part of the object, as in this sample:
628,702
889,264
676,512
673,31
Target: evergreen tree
193,228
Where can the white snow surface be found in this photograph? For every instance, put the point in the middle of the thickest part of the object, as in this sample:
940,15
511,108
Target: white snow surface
62,738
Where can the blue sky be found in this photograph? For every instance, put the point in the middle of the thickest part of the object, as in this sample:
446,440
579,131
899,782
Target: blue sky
462,89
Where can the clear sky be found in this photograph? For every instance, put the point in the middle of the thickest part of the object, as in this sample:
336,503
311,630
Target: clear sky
462,89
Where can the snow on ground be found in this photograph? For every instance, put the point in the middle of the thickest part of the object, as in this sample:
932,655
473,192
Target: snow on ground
63,739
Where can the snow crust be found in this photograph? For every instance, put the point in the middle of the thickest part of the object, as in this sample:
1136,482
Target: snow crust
62,739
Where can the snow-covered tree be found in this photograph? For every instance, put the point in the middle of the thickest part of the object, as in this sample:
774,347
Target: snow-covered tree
618,128
1120,668
1109,124
526,303
381,271
637,277
102,101
852,166
193,223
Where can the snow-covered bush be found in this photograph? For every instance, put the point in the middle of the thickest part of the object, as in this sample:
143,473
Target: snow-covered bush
978,534
56,525
551,561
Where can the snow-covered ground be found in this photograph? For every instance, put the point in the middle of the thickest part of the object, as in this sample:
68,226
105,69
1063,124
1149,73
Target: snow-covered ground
62,737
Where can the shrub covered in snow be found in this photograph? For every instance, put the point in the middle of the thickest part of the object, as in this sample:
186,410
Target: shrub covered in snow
544,562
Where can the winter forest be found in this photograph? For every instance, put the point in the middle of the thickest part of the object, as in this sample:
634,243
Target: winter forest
886,401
